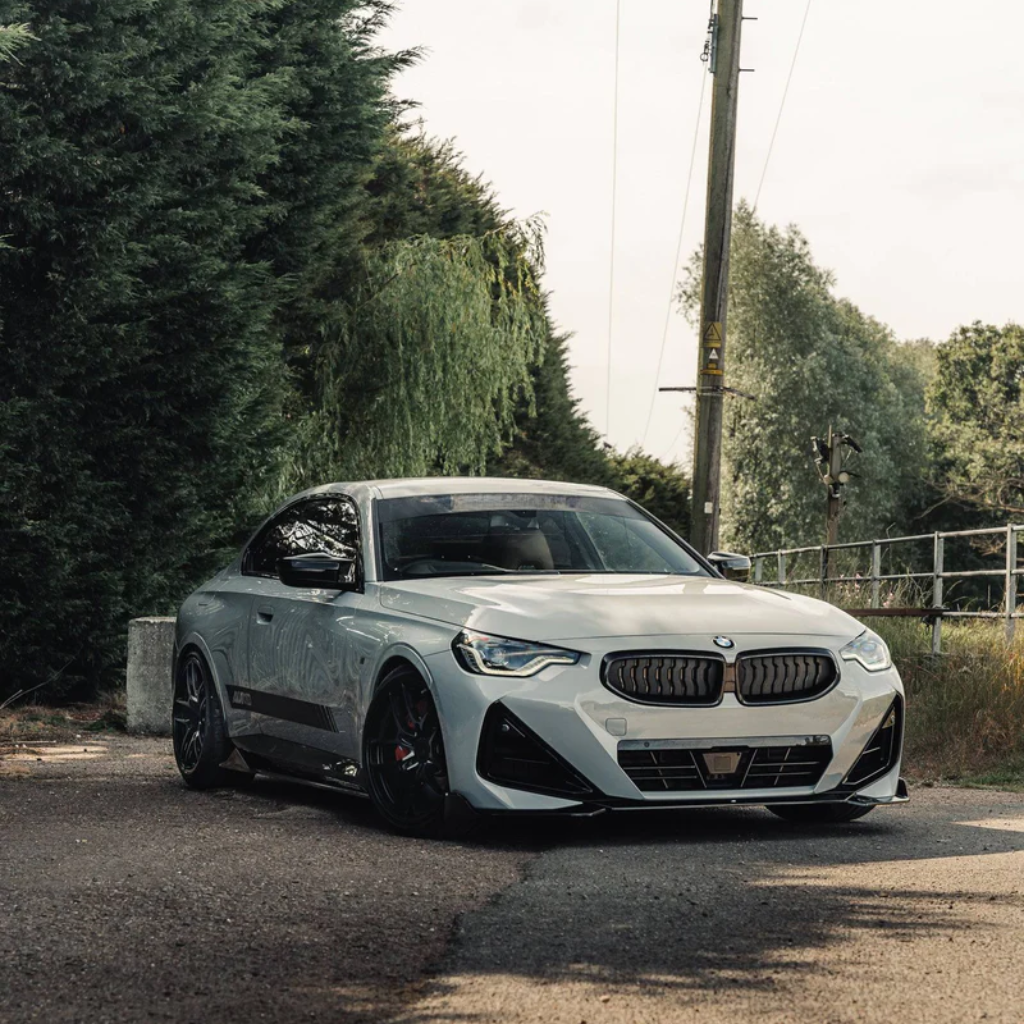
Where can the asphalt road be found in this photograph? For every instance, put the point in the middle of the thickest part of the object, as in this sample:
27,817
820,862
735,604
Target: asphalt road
124,897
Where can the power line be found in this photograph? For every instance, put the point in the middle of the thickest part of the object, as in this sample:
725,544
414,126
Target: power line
782,105
671,447
615,184
679,252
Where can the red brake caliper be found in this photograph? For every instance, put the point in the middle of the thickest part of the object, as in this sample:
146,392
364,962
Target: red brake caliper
401,753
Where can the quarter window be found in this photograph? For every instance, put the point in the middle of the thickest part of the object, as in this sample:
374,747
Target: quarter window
329,525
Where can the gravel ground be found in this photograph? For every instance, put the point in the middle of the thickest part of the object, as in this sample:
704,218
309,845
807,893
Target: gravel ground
124,897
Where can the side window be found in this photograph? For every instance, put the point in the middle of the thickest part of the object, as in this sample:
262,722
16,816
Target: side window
330,525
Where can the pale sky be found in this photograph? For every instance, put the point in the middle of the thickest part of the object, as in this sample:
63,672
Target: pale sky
900,155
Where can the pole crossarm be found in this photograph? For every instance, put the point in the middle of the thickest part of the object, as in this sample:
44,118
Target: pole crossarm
715,389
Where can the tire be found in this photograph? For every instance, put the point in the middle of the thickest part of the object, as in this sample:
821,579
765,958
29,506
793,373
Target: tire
819,814
201,743
404,764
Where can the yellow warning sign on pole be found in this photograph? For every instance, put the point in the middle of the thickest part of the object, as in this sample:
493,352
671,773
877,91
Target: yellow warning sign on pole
713,334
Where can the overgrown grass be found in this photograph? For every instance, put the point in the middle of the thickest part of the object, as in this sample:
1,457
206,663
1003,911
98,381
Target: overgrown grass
23,725
965,707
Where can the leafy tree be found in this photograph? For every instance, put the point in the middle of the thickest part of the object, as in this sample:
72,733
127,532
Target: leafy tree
424,367
224,272
922,356
421,187
552,438
977,402
810,359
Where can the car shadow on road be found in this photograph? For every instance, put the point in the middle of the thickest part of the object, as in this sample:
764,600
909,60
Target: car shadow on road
735,900
726,899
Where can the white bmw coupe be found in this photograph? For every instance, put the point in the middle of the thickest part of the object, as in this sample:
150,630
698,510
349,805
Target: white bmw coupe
457,647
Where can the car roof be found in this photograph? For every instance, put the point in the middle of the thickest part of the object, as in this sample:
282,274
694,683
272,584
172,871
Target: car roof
425,486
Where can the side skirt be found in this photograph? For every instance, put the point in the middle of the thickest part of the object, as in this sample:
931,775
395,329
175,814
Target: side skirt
296,762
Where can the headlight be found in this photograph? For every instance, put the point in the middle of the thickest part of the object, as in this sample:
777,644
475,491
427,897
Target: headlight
497,656
869,649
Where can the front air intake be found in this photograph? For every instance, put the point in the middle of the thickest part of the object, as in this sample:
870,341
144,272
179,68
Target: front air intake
879,757
511,754
689,769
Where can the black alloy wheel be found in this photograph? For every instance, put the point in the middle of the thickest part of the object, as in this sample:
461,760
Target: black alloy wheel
403,755
820,814
201,743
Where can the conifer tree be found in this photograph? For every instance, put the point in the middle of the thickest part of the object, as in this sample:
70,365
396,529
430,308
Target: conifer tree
11,37
331,80
140,361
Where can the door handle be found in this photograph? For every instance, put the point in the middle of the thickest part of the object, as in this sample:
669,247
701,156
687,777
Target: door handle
264,614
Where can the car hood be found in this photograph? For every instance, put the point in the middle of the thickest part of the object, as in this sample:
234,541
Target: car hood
573,607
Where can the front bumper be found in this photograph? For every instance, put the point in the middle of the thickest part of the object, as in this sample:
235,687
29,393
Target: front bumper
573,715
602,804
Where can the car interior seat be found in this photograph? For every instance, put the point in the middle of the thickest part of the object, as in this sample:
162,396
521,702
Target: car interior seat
524,549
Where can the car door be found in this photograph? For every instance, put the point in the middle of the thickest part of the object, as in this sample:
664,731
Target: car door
303,667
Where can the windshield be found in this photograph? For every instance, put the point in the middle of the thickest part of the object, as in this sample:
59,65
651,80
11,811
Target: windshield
522,534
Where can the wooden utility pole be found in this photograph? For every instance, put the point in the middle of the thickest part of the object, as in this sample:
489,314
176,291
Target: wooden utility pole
707,455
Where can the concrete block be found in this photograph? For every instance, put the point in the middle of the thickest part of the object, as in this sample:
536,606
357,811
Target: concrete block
150,683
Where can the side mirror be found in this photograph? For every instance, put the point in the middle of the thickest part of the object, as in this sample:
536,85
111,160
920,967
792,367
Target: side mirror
318,570
730,565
